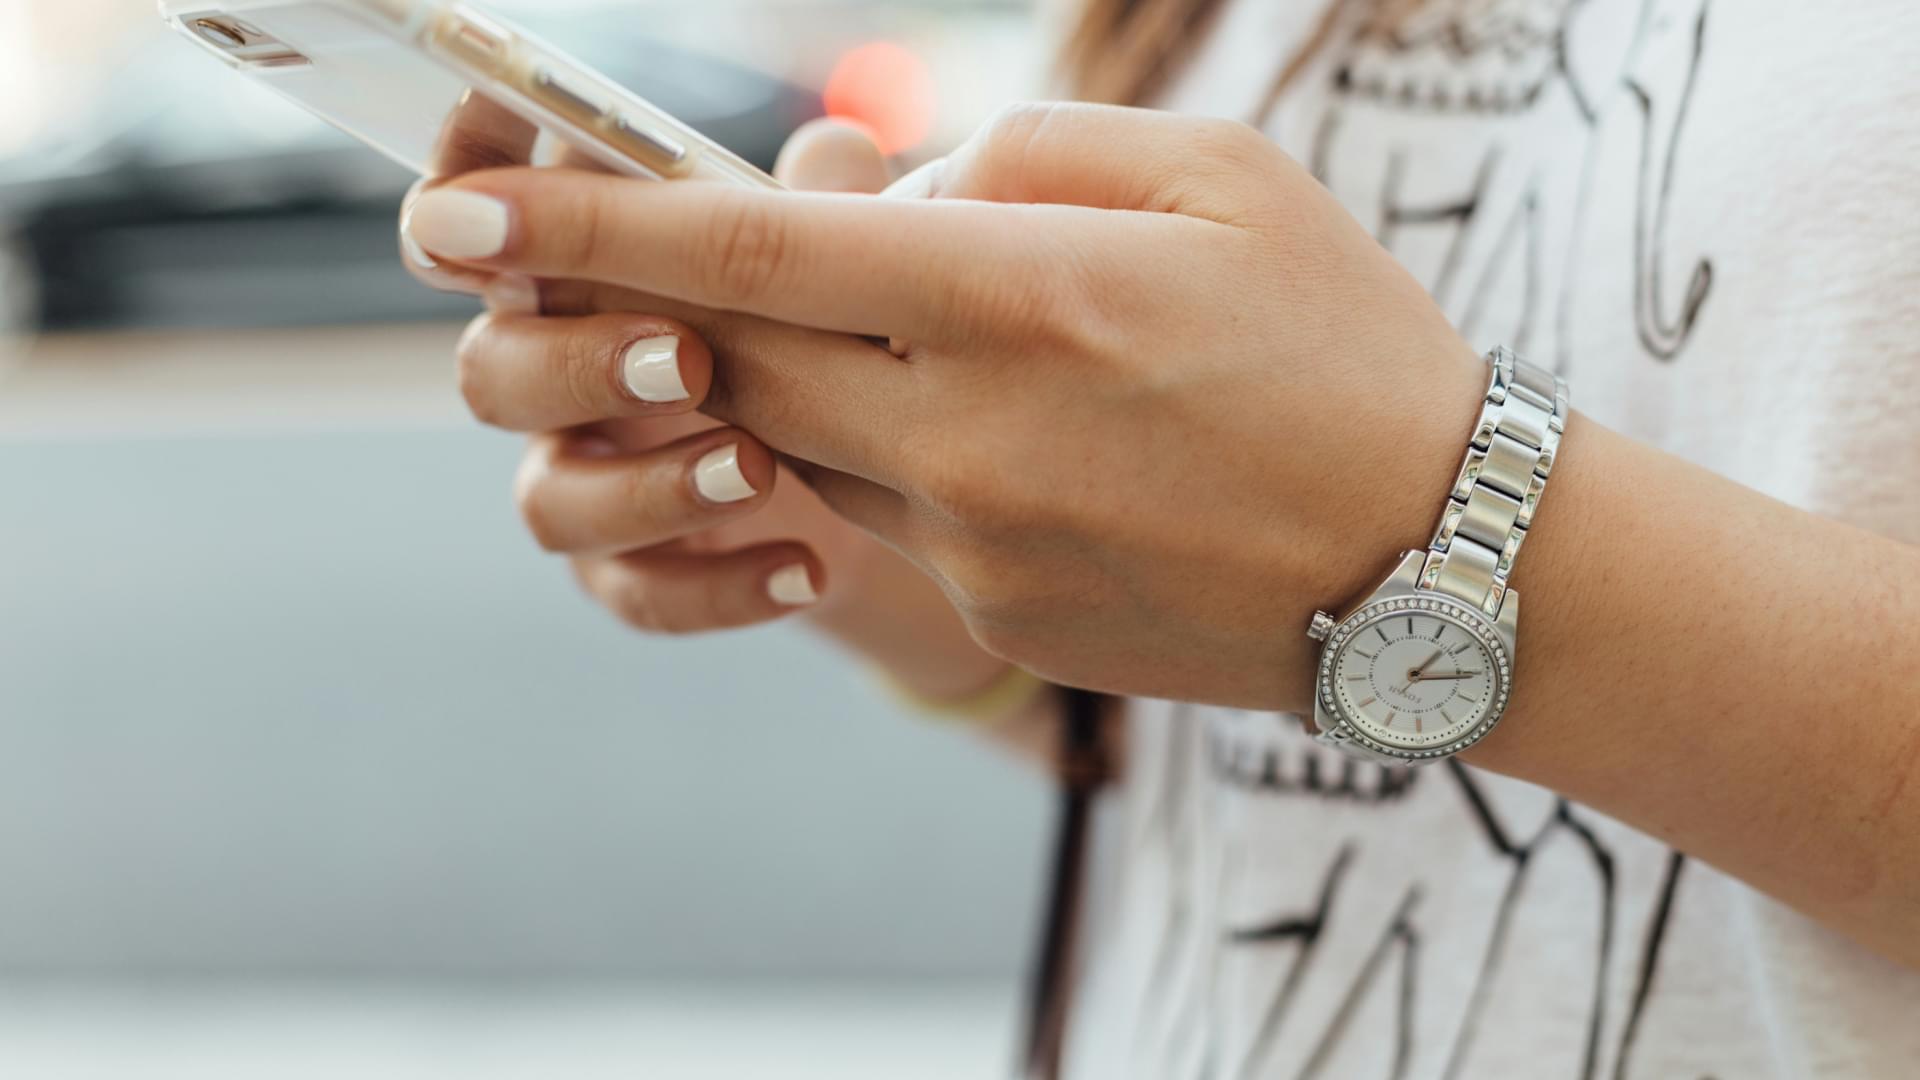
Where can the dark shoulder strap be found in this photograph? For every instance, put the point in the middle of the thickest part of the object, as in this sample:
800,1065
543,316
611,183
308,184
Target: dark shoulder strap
1083,769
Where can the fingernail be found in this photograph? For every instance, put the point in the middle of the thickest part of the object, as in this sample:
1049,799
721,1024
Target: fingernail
513,294
719,479
459,224
792,586
416,254
651,369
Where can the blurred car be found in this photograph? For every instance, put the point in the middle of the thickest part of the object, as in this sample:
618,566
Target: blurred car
193,199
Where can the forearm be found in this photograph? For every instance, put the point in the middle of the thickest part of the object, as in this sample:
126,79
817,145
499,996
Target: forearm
1737,677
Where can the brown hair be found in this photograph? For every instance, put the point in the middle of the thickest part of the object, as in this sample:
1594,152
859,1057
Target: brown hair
1124,52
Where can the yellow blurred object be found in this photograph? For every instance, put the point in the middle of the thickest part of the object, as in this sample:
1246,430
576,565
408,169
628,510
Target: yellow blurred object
1010,692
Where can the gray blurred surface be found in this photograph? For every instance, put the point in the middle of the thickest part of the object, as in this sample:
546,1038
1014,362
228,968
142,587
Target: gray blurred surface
311,704
387,1032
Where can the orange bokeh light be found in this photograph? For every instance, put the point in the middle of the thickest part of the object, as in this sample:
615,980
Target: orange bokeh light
886,88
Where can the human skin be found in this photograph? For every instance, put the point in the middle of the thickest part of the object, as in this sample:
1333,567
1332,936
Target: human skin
658,555
1139,415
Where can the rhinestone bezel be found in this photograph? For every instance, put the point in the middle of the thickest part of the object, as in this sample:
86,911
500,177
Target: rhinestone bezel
1468,618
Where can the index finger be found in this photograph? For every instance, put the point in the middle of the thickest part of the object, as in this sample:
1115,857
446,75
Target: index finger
852,263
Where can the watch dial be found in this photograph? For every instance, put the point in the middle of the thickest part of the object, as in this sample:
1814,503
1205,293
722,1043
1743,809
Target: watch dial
1416,678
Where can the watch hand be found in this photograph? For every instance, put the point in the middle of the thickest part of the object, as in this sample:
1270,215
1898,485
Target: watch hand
1420,672
1455,675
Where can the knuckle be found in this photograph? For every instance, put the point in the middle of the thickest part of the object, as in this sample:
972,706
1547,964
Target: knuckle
474,375
1231,152
584,230
1226,137
1012,128
750,245
637,603
641,497
535,511
540,525
583,374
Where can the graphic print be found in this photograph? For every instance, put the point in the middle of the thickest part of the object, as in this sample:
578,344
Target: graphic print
1466,135
1494,111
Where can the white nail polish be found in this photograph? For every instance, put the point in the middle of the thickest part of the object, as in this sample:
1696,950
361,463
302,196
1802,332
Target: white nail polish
513,294
459,224
719,479
792,586
651,370
416,254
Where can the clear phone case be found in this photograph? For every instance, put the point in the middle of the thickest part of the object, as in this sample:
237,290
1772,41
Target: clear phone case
442,87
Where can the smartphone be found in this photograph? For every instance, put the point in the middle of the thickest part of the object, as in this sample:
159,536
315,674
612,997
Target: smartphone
441,86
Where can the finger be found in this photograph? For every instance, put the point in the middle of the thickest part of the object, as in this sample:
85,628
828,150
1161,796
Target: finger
835,262
524,373
921,183
427,270
1063,153
882,512
581,497
678,592
832,155
479,133
821,396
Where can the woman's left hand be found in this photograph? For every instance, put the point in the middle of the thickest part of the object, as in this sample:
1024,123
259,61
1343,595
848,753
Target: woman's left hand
1152,396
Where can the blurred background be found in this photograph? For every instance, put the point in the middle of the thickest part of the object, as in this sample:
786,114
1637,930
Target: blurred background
310,765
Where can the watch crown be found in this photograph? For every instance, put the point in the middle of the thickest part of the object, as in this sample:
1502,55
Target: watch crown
1321,626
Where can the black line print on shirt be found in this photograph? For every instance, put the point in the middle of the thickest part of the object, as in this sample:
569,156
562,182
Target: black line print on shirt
1490,216
1511,842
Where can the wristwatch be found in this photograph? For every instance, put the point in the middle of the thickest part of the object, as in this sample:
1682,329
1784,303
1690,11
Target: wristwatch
1422,668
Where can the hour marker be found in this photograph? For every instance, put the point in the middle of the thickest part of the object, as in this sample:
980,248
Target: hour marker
1418,727
1444,716
1460,649
1368,655
1368,702
1356,678
1383,634
1409,626
1437,631
1389,720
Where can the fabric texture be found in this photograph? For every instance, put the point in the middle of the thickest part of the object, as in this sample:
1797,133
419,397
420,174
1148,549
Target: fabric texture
1706,215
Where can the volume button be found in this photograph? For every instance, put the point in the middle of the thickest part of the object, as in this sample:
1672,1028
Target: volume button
666,156
472,40
565,100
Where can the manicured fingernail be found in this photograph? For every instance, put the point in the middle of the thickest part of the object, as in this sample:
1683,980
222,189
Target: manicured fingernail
651,369
459,224
719,479
416,254
792,586
513,294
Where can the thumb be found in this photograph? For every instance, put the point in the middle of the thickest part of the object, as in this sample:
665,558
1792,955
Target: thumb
1107,157
831,155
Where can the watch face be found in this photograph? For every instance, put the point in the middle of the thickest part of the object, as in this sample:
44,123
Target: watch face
1417,677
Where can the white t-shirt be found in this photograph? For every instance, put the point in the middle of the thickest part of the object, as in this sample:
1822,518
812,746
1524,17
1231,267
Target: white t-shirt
1707,215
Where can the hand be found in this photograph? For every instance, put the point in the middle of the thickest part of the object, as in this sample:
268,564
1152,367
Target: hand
613,480
1142,412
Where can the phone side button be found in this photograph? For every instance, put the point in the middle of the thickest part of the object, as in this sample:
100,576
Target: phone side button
665,156
565,100
469,39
